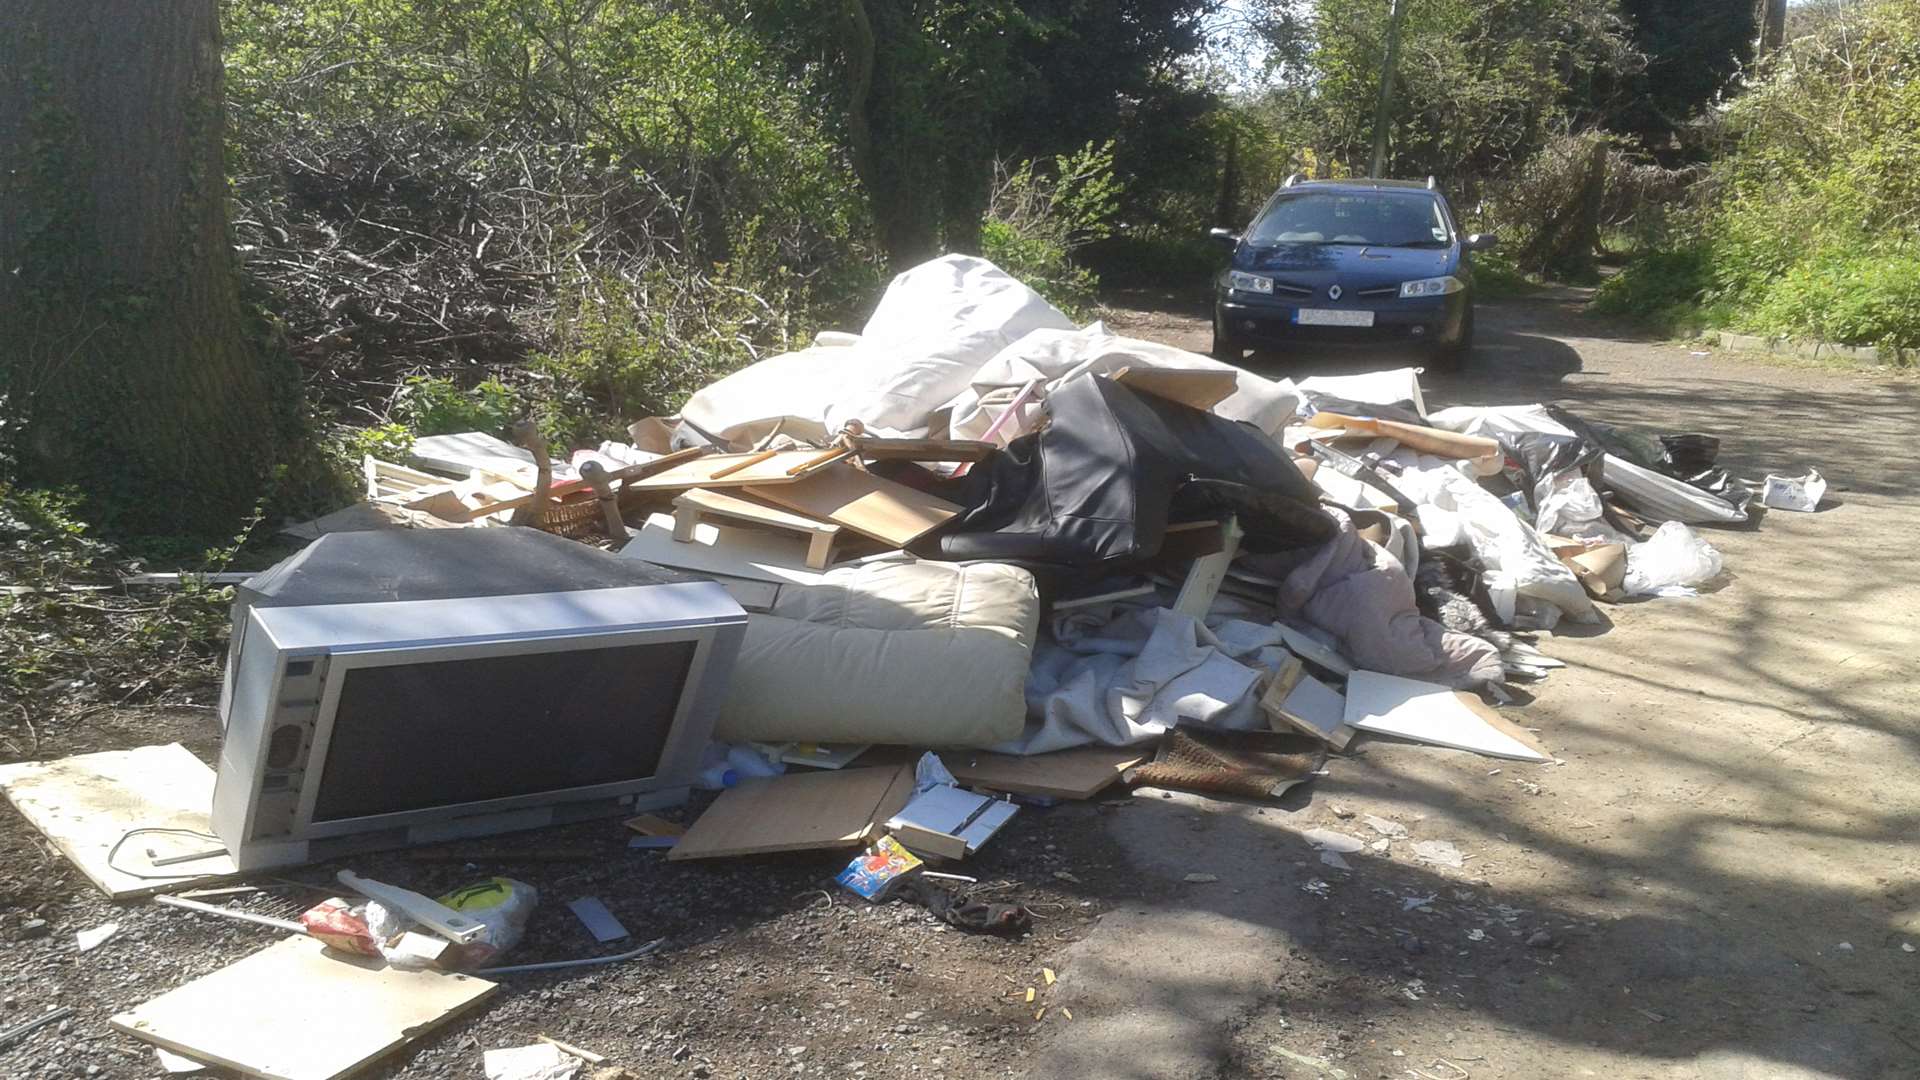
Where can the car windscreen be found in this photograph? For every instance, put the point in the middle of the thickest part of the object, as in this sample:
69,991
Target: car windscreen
1372,218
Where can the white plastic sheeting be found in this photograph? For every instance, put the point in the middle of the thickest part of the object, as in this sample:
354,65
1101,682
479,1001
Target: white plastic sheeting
953,342
1453,505
1670,563
1052,357
1373,387
1653,494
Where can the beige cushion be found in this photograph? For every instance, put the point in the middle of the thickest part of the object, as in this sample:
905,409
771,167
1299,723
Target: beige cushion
923,653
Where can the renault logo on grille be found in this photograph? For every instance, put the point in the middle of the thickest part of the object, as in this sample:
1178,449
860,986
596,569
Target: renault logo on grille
1333,292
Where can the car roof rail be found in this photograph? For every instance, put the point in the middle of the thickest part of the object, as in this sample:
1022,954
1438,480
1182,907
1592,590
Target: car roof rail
1292,179
1431,185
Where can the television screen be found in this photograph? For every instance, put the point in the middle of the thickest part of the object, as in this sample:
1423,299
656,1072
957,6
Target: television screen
419,735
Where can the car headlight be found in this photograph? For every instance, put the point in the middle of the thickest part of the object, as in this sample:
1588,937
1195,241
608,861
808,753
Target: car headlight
1433,286
1249,282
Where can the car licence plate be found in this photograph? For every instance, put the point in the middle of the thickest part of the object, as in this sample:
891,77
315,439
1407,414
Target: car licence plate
1333,317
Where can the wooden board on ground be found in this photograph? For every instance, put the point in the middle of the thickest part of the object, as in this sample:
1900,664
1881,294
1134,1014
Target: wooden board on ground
690,506
1431,713
870,505
727,470
86,804
1079,773
295,1011
1202,388
802,811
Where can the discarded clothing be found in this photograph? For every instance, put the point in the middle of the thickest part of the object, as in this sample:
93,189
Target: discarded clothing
1362,595
1118,674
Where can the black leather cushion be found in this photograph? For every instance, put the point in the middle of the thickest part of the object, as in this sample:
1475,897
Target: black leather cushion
1101,482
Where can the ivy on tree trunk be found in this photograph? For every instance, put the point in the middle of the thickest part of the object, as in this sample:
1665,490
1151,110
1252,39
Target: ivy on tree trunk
131,368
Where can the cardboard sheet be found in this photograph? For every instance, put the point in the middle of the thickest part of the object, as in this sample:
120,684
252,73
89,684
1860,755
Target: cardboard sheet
257,1016
800,811
86,804
1429,713
1079,773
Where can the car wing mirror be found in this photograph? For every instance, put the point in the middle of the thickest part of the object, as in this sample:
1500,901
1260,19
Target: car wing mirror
1482,241
1224,237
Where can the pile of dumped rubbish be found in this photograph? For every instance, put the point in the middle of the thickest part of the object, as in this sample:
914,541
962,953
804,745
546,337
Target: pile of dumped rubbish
881,594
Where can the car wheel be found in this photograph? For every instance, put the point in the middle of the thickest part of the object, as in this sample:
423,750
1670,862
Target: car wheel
1225,345
1453,357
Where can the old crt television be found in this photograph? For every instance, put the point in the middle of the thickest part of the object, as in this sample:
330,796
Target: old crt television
410,686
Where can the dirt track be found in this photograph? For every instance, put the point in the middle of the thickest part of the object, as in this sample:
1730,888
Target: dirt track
1739,797
1724,862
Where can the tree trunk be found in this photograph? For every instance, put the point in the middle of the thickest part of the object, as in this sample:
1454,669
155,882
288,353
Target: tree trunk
131,368
894,154
1773,25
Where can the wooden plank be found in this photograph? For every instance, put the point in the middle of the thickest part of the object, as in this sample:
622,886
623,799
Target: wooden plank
870,505
692,505
726,470
1298,701
780,558
1430,713
1203,580
1201,388
802,811
1079,773
874,448
85,805
295,1011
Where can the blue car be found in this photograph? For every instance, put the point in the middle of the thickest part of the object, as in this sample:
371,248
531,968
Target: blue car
1349,262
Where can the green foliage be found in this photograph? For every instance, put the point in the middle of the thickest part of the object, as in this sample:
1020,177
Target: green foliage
623,352
387,442
1495,275
431,405
1480,84
1813,225
1043,212
1663,289
64,648
1854,299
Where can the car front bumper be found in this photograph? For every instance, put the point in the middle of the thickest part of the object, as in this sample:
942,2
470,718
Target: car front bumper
1439,321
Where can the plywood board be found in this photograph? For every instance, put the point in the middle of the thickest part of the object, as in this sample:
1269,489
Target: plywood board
86,804
296,1011
1426,440
1308,705
733,553
1201,388
870,505
801,811
1079,773
727,470
690,506
1430,713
